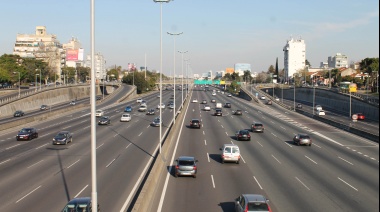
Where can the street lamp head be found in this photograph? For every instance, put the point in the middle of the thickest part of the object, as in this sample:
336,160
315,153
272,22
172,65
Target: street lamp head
161,1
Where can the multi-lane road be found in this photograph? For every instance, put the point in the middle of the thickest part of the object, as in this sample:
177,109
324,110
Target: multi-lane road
339,171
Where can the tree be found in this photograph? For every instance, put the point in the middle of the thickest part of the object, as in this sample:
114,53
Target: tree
227,77
307,63
262,77
247,76
271,70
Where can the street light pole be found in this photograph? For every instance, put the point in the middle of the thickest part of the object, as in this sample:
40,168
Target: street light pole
313,96
160,1
36,87
182,72
174,34
294,93
19,83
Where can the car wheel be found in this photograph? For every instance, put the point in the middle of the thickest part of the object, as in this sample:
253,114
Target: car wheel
176,175
298,143
194,176
238,161
66,142
222,161
37,135
309,144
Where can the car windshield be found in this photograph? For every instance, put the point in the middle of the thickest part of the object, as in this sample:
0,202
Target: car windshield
60,135
257,206
25,131
186,162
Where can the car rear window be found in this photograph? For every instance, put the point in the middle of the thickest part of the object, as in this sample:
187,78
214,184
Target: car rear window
257,206
305,137
258,125
195,121
185,162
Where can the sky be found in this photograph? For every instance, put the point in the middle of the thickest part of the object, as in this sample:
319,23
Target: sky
216,34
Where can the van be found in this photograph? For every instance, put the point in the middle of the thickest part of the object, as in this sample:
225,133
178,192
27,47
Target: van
230,153
218,105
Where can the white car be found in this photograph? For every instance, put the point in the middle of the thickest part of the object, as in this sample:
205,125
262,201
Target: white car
162,106
262,97
207,108
139,100
214,94
229,95
143,108
99,113
318,107
126,117
321,112
195,100
277,99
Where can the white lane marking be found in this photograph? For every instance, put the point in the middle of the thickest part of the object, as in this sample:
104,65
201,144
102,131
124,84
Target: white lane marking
222,126
204,133
73,163
140,134
28,194
205,143
110,163
260,144
242,158
303,183
257,182
81,191
276,159
346,161
226,133
283,127
12,146
148,126
311,159
208,157
289,145
115,135
317,145
348,184
34,164
213,183
100,145
5,161
41,146
67,127
327,138
274,135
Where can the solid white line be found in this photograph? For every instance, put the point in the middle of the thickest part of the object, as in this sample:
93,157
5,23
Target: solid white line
140,134
303,183
208,157
346,161
5,161
28,194
327,138
73,163
348,184
110,163
115,135
212,179
100,145
226,133
242,158
311,159
35,164
257,182
80,191
203,132
276,159
316,145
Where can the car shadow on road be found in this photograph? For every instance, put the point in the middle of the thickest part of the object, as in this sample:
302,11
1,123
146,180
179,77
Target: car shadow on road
171,170
215,157
227,206
291,143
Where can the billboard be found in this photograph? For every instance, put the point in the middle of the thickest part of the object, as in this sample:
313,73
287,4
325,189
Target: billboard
72,54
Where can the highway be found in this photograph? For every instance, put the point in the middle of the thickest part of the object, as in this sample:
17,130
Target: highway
38,176
339,172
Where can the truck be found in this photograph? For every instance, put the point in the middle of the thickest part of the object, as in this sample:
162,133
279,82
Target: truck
218,105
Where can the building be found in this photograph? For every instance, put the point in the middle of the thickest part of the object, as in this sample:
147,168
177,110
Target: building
41,46
230,70
240,68
294,57
338,61
74,53
100,66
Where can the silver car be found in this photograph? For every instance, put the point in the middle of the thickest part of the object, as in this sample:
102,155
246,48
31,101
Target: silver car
186,165
251,203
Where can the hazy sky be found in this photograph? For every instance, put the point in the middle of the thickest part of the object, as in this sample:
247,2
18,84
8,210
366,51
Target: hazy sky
216,34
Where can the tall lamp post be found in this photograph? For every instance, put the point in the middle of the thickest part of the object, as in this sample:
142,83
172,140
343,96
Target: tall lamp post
19,82
36,83
294,93
174,34
160,1
313,95
40,78
182,71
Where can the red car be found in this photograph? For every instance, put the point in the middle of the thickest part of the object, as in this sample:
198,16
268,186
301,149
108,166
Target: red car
360,116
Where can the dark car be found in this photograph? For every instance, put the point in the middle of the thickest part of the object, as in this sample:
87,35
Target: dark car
302,139
151,112
79,204
169,103
218,112
44,107
27,134
63,137
18,113
156,122
257,127
104,120
252,202
227,105
238,112
186,165
243,135
195,123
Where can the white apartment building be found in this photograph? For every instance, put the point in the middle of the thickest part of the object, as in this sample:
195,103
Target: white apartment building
41,46
74,53
294,56
100,66
338,61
